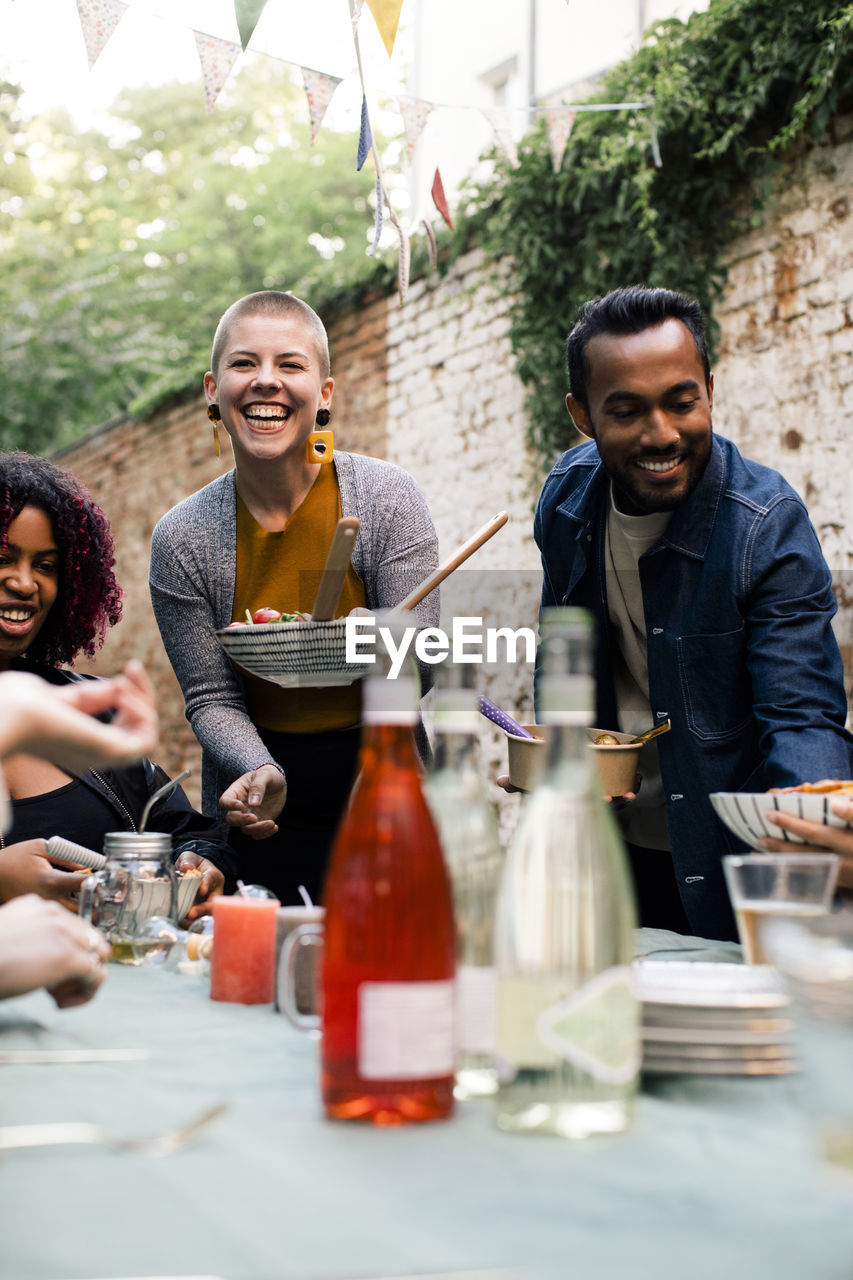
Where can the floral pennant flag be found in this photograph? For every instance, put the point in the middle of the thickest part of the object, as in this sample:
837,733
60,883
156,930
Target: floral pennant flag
217,57
558,125
365,137
404,264
502,129
440,200
415,113
319,88
433,247
247,13
386,15
380,206
98,20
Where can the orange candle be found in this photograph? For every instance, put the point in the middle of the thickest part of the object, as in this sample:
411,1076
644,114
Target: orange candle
242,967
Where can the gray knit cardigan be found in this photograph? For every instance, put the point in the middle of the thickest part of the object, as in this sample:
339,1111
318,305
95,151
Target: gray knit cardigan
192,576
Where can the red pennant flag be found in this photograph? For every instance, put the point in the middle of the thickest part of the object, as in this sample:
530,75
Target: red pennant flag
440,200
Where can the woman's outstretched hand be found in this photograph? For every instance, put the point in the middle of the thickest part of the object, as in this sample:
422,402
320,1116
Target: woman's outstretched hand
58,722
253,802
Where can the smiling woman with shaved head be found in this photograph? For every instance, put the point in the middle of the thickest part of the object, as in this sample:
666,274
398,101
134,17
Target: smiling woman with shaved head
279,763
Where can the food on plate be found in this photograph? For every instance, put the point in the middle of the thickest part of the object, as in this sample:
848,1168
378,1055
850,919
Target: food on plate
826,786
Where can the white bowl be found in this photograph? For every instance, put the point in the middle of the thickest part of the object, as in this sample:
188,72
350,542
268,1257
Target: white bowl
293,653
744,812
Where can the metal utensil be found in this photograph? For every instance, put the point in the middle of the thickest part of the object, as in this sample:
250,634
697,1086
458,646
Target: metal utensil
335,569
160,792
443,571
74,1134
664,727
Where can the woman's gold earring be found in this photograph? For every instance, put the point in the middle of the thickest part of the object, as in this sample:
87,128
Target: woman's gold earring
320,445
215,417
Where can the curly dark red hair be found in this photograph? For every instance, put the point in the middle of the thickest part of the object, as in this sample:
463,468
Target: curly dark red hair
89,598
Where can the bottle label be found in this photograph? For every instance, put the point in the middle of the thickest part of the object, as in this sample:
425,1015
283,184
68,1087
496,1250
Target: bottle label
596,1027
406,1030
476,995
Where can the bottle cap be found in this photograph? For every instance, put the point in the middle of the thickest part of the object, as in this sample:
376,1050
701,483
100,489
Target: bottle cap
455,711
138,844
391,690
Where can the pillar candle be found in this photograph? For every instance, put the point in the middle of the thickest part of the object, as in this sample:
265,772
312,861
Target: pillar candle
242,967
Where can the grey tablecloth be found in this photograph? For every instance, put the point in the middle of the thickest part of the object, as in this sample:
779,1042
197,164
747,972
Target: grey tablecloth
717,1180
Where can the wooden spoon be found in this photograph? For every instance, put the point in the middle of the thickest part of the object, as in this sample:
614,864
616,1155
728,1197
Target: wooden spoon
335,569
443,571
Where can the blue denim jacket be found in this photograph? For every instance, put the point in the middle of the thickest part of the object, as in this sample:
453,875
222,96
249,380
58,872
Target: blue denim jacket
742,658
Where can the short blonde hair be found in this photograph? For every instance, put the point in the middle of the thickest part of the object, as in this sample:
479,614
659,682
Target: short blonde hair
271,302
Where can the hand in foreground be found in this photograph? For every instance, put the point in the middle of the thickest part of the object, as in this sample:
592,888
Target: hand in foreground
253,802
58,722
818,838
43,946
212,883
24,868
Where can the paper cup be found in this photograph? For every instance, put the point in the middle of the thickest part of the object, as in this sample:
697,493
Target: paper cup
616,764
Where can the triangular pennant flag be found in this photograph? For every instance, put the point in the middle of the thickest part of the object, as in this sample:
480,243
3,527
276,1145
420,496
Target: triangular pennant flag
380,207
404,263
319,88
217,57
98,20
415,113
440,200
502,130
247,13
433,247
365,137
386,15
558,125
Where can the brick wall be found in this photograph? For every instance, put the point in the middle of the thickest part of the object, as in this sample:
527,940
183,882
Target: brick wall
430,385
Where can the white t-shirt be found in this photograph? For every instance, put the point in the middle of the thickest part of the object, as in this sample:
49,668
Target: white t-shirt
643,822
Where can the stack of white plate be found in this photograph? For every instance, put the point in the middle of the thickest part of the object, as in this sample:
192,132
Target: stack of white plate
714,1019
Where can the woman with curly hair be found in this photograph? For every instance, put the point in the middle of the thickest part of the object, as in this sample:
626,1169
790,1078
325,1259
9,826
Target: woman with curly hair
58,595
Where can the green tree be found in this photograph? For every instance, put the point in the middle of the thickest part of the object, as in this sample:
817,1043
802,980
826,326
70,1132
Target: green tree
120,249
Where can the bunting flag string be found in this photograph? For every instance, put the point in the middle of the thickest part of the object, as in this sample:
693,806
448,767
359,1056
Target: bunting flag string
386,15
99,18
98,21
217,57
503,133
415,113
558,125
440,200
319,90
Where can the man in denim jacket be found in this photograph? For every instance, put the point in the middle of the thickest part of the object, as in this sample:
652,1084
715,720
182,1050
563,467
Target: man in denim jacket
711,596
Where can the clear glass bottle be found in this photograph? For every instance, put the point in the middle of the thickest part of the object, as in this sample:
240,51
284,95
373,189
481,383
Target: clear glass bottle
388,1019
568,1026
468,828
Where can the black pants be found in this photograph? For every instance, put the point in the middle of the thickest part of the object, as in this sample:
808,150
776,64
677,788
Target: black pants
320,770
658,903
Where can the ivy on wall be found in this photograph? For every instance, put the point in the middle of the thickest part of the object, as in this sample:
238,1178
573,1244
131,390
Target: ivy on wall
733,88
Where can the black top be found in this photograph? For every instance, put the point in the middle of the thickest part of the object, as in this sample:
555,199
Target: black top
74,812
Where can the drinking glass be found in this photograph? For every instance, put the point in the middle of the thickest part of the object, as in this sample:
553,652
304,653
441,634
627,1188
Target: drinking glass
764,885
